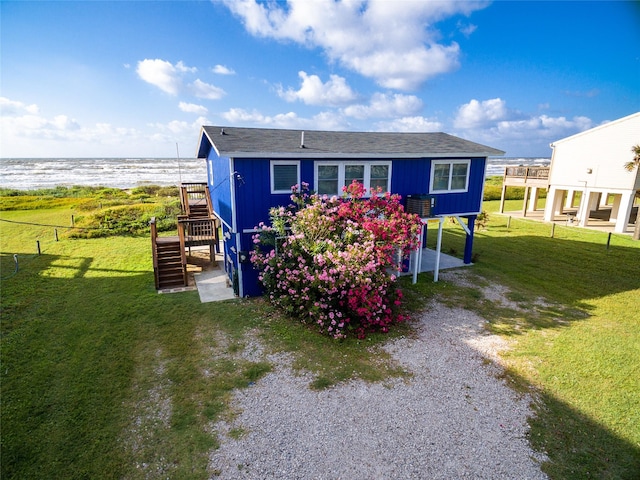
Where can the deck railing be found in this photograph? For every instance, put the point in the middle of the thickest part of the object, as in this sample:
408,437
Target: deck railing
198,231
194,194
154,236
541,173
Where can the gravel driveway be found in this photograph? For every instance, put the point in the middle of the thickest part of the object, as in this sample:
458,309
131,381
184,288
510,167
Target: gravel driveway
453,418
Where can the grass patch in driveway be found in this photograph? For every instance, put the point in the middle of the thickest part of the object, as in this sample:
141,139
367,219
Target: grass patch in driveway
570,312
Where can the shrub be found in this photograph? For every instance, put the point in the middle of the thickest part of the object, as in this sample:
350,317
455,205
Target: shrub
126,220
327,261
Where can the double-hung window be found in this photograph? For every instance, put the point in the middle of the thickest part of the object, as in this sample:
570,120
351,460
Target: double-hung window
332,176
449,176
284,175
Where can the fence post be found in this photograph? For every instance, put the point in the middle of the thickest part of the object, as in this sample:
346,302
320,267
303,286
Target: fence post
55,232
553,229
15,259
72,221
608,240
38,245
509,222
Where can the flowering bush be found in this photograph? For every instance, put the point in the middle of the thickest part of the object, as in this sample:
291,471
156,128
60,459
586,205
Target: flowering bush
327,260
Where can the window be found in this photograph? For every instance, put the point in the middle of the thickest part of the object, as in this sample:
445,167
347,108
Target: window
449,175
327,179
284,175
330,176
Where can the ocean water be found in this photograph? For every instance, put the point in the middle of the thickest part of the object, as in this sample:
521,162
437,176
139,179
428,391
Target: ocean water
35,173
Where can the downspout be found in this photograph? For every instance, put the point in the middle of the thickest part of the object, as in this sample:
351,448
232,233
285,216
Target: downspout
234,224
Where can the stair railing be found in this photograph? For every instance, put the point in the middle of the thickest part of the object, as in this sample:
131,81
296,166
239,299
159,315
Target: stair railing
154,250
183,254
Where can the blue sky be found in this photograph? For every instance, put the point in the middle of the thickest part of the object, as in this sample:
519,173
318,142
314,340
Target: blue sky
132,79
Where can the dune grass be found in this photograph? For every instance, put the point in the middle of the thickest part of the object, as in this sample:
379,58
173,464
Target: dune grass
102,377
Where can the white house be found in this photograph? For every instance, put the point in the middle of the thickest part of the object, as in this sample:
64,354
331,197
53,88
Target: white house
590,165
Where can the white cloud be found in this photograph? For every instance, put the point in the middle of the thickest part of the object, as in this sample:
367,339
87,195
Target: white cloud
161,74
205,90
313,92
24,132
181,67
493,123
240,115
170,78
395,43
176,128
321,121
223,70
8,107
410,124
466,28
476,114
383,105
193,108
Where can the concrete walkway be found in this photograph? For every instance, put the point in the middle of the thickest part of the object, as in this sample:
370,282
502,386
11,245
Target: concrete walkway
446,261
213,285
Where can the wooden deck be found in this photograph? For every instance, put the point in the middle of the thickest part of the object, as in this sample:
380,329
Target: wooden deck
197,227
526,176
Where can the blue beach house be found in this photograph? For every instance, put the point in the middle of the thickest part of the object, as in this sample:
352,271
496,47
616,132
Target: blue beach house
250,170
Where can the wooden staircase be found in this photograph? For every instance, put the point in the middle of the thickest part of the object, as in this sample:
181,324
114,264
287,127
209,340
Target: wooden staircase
171,274
196,226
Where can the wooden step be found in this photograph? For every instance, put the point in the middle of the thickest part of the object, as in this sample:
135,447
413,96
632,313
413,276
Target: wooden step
170,268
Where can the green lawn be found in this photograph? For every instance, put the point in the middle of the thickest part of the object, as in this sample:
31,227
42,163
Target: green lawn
102,377
575,334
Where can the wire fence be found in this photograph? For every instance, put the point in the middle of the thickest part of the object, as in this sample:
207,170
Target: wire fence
24,259
568,228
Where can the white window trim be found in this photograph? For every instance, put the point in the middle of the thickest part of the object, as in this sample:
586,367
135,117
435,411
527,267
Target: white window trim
341,172
450,162
272,178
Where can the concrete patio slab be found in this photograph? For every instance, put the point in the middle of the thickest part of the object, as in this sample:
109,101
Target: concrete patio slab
428,263
213,285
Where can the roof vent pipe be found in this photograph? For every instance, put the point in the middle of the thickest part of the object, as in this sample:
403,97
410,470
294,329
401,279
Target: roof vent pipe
302,140
222,131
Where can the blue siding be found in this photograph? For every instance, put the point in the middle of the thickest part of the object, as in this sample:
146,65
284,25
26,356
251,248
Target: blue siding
413,177
229,251
253,199
220,188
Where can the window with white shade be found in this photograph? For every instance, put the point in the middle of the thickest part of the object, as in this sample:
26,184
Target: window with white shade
449,176
284,175
331,177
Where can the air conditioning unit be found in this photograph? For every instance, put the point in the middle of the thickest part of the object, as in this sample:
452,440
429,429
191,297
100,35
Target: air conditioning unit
421,204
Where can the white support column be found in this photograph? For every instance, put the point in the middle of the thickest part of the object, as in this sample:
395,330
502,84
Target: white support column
533,199
418,256
615,207
436,271
587,202
570,198
626,204
554,204
594,200
603,199
502,197
524,202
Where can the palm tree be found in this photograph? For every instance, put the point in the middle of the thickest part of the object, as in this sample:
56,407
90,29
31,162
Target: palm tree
630,166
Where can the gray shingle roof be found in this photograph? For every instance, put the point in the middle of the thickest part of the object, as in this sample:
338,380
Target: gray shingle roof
275,143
